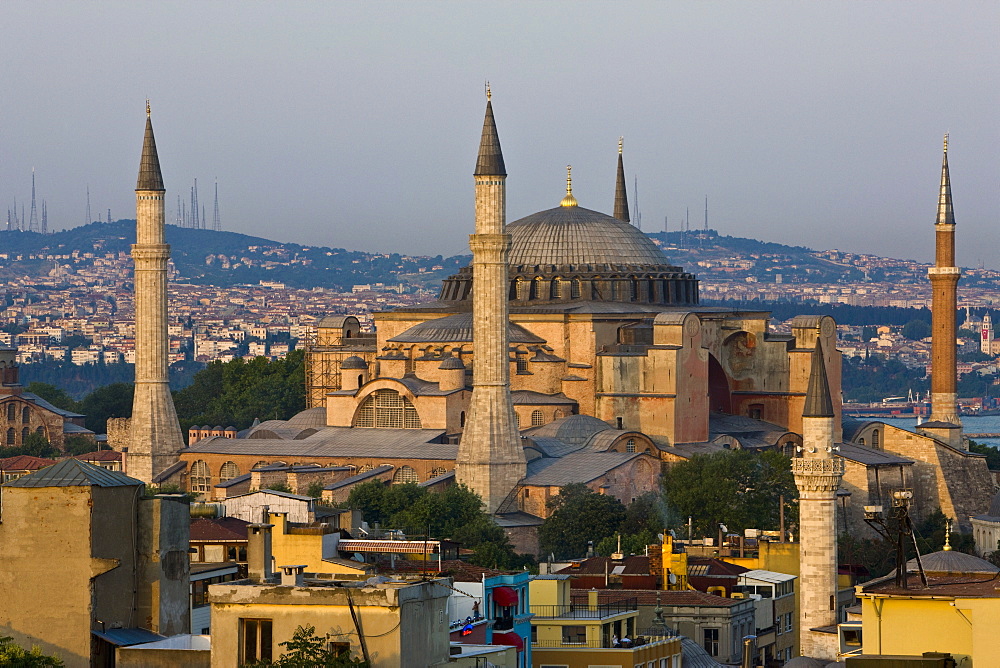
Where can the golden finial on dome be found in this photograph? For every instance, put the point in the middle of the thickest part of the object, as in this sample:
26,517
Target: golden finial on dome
147,106
488,94
568,200
945,142
621,140
947,524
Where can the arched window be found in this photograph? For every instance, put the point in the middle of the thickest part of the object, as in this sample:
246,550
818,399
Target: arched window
387,409
630,445
201,478
517,420
875,439
522,363
404,474
228,471
11,411
461,419
439,471
537,419
557,288
40,431
560,413
366,468
576,288
260,464
26,414
861,441
24,435
11,436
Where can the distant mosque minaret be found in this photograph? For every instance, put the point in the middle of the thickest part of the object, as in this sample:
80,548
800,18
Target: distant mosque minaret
944,277
621,192
155,433
490,455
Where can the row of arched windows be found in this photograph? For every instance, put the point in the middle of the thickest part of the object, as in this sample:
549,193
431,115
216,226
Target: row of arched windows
12,434
387,409
12,410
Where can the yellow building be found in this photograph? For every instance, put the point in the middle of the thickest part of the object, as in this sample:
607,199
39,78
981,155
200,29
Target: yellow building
312,545
400,624
582,635
956,612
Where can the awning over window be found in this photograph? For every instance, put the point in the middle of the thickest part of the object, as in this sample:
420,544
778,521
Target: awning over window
510,639
505,596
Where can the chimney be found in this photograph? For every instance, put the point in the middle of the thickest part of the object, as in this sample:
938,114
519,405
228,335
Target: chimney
292,576
259,552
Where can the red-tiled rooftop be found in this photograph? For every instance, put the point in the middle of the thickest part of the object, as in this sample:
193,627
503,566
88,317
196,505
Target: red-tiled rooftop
633,565
24,463
461,571
100,456
668,597
218,529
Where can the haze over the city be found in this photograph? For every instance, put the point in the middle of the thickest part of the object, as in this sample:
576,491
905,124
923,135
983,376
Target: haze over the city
356,125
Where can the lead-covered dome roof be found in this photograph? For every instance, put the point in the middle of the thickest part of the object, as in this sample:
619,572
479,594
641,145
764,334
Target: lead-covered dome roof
572,235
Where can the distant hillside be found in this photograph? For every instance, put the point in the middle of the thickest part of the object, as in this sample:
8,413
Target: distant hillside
229,258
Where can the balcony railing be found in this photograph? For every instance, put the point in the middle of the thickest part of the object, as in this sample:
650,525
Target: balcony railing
585,611
641,641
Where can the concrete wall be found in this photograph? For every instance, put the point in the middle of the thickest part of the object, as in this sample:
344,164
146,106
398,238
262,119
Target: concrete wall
126,657
164,538
404,626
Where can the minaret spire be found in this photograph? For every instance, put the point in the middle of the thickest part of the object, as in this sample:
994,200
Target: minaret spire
944,277
155,432
621,190
819,403
490,456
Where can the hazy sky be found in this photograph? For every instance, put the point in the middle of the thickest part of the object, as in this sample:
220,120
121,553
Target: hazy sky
356,125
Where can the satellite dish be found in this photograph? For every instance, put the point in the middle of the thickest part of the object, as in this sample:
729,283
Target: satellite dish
671,578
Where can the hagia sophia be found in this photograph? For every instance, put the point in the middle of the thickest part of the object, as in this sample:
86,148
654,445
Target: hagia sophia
614,369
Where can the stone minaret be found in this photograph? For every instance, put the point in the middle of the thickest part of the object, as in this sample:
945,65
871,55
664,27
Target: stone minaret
944,277
621,191
817,476
490,456
155,432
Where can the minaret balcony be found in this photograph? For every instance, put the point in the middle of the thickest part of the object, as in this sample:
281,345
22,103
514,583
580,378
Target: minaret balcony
818,474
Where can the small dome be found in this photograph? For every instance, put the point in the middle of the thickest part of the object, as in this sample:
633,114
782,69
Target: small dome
309,418
951,561
573,429
452,363
353,362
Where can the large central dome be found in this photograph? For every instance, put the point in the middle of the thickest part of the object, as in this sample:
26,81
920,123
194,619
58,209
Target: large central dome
572,235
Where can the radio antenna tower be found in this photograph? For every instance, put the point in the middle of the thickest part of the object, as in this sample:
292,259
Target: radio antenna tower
180,216
194,206
90,218
706,213
216,222
204,221
109,215
33,221
45,218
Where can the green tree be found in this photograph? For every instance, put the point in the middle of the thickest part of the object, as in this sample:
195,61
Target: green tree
991,451
279,487
54,395
578,515
308,650
113,400
76,444
315,489
738,488
12,654
916,330
37,445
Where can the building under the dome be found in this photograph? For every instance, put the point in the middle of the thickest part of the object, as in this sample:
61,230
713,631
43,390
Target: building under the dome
614,368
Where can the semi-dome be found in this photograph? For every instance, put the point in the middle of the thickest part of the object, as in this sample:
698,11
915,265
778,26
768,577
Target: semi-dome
953,562
573,235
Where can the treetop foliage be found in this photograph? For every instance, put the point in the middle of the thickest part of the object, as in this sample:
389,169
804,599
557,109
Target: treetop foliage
737,488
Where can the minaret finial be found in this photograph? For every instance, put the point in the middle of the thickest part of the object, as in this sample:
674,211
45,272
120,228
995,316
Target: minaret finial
568,200
945,142
621,142
947,523
147,106
489,95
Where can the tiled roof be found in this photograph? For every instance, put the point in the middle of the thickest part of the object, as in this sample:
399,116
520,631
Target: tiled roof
100,456
870,456
169,471
42,403
581,466
339,442
220,528
667,598
633,565
24,463
455,329
74,473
